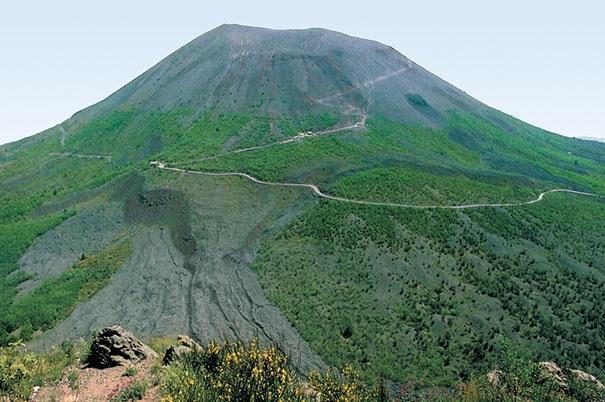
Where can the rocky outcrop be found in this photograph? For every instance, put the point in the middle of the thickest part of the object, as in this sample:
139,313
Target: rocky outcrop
550,371
185,345
585,377
114,346
495,377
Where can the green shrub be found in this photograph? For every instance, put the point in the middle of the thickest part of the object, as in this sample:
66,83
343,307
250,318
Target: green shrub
129,372
583,391
522,380
160,344
16,372
21,370
133,392
56,297
73,380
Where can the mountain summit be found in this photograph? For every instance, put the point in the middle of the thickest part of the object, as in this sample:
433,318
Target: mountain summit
240,69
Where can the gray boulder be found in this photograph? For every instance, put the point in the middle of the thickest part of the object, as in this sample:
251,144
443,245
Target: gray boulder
185,345
114,346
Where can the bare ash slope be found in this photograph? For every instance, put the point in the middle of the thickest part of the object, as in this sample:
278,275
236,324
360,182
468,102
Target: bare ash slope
238,69
202,286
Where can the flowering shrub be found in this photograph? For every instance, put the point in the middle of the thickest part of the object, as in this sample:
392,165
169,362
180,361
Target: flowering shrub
231,372
15,372
21,370
343,386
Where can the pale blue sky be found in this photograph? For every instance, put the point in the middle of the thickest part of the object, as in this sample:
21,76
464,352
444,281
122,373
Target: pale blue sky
542,61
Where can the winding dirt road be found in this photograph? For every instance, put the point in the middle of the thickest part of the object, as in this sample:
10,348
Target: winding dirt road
361,124
298,137
368,83
81,156
317,192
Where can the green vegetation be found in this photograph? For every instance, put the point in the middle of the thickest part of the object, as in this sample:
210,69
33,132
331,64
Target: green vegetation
39,190
56,297
405,295
422,106
390,162
520,380
209,135
231,371
416,187
235,371
509,145
133,392
15,239
425,296
327,156
431,288
40,183
344,386
73,380
129,372
21,370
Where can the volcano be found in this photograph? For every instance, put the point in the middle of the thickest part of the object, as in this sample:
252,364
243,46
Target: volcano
312,190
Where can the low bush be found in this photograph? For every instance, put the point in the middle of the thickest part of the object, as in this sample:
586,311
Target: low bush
133,392
235,371
21,370
521,380
231,371
16,372
129,372
341,386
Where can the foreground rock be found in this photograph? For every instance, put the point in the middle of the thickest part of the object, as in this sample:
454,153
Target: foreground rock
175,352
114,346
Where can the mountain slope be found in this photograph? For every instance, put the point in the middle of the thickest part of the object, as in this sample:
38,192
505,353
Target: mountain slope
299,74
93,235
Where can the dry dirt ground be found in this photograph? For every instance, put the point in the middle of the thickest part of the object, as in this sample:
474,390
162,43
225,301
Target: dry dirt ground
96,385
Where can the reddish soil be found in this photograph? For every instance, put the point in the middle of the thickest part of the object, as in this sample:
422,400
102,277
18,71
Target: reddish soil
98,385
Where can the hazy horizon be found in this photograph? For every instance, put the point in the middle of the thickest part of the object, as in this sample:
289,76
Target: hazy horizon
541,63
